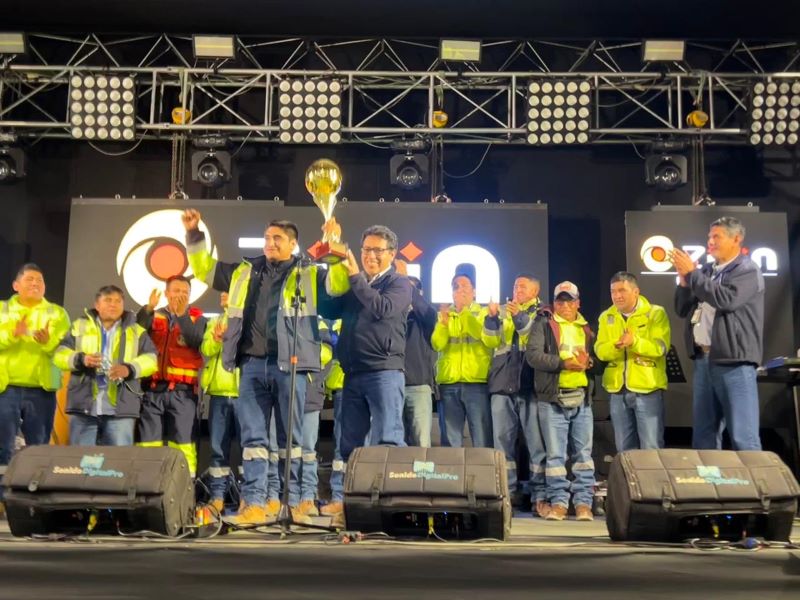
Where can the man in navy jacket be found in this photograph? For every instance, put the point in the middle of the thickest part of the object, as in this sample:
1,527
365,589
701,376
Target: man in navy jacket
371,347
724,303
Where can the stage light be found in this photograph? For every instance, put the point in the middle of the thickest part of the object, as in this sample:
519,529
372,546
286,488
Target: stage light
558,111
310,111
697,118
774,112
439,119
211,163
13,43
460,50
663,50
12,164
666,171
409,170
102,106
214,46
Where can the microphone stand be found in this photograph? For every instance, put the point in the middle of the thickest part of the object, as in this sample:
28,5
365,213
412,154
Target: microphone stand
284,518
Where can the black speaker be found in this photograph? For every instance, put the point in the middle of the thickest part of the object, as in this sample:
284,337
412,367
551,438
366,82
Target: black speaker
673,495
448,492
58,489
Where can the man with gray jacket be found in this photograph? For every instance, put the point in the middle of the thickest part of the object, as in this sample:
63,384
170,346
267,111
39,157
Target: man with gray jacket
724,303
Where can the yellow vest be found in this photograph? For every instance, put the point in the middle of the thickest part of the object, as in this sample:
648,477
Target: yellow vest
572,339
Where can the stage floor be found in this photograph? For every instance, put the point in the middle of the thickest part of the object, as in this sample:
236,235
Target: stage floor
542,559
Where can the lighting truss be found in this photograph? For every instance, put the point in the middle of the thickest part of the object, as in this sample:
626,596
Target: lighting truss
391,87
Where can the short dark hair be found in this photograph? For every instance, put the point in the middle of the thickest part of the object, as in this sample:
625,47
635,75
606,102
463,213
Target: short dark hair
466,276
183,278
29,267
625,276
382,232
107,290
288,227
529,276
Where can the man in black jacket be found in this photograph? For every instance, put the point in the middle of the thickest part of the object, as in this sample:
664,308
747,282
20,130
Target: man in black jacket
371,347
420,362
725,303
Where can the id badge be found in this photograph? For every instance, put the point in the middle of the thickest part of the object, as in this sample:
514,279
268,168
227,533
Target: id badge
696,315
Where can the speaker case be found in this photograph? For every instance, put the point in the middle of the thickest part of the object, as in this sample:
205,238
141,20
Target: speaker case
651,491
373,495
155,487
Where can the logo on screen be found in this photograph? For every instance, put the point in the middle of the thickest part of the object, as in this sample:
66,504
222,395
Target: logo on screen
655,256
152,251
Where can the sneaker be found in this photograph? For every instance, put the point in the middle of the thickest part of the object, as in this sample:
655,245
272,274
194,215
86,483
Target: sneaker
308,507
299,517
583,512
332,508
542,508
272,507
557,512
217,505
251,514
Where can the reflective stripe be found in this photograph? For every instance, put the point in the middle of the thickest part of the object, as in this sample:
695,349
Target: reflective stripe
537,468
3,469
463,340
235,313
502,350
273,457
309,456
190,452
525,330
219,471
583,466
337,465
556,472
255,453
184,372
492,332
511,465
297,452
153,444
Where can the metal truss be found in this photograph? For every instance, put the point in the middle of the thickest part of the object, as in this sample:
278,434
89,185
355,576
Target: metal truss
393,86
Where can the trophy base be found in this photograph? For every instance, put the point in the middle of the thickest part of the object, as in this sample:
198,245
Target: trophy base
331,252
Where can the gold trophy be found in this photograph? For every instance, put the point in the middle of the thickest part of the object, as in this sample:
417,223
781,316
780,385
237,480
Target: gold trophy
323,182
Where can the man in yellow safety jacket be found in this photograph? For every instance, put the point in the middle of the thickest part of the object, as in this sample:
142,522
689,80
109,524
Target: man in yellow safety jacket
634,338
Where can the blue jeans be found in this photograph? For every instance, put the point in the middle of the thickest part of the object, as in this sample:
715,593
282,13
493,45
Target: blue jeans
223,429
638,420
309,478
102,430
337,467
511,414
274,475
418,415
568,430
725,396
27,409
460,401
372,402
263,388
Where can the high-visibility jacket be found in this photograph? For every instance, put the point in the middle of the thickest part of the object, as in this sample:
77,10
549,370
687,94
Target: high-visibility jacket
24,361
334,381
462,344
178,362
642,367
215,379
237,280
131,346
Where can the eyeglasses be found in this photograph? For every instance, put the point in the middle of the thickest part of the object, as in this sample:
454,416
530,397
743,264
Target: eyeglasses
378,252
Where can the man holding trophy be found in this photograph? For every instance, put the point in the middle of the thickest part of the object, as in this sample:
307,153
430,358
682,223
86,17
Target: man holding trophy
259,338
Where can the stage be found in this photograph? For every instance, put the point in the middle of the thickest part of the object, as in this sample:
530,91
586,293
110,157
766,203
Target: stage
542,559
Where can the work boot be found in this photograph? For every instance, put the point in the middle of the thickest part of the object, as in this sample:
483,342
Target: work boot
558,512
273,507
299,517
308,507
332,508
337,520
251,514
542,508
583,512
217,505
